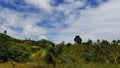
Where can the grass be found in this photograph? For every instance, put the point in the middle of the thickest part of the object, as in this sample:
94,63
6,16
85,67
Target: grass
68,65
24,65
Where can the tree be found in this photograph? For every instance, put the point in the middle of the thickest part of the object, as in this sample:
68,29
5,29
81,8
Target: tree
114,42
69,44
105,49
50,55
44,43
19,53
4,52
78,39
89,42
5,32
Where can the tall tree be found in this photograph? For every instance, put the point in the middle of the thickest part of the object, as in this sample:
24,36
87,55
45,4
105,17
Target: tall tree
78,39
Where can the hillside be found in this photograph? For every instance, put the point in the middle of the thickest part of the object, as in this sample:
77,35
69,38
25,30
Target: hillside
45,53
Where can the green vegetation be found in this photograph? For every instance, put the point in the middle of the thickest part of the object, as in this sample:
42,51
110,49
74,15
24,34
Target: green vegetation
46,54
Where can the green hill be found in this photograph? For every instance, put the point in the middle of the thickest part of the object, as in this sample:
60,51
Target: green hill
48,54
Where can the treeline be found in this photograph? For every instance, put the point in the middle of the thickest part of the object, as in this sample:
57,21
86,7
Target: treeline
45,51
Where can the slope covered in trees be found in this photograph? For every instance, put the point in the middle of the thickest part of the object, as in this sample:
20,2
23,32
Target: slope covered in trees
59,55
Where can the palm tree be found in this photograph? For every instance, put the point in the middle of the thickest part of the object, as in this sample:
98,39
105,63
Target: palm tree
49,55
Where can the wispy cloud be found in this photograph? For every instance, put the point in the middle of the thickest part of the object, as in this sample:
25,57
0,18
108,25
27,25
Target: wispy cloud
101,22
43,4
61,22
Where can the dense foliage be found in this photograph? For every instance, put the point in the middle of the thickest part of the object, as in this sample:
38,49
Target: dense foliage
45,51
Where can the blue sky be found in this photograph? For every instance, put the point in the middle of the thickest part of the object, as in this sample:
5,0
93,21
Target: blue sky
61,20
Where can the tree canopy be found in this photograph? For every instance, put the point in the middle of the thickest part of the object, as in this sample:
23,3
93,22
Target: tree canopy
78,39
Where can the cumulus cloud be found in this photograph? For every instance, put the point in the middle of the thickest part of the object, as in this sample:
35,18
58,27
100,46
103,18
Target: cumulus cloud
102,22
70,18
20,25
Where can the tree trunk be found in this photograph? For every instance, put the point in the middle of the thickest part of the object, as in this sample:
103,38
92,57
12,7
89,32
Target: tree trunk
104,54
106,60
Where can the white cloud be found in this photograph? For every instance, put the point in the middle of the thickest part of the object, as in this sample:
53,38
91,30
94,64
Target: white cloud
102,22
25,21
70,7
33,30
43,4
42,37
91,23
